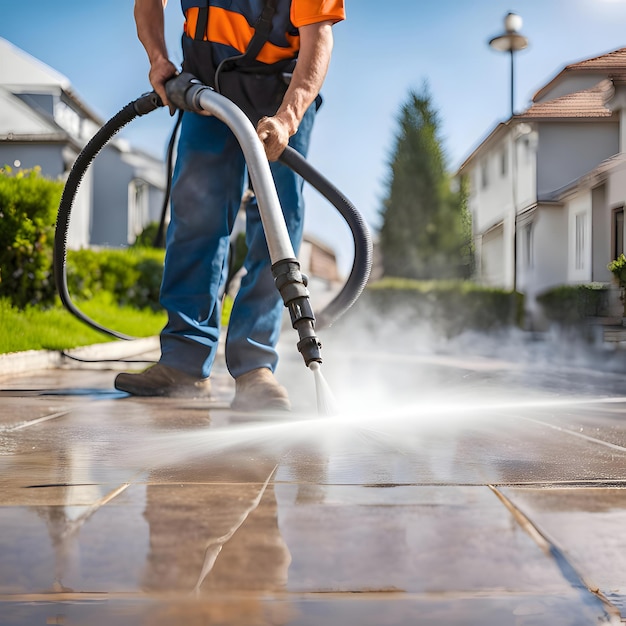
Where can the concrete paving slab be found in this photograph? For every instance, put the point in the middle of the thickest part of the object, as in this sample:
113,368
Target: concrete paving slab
437,495
587,524
411,539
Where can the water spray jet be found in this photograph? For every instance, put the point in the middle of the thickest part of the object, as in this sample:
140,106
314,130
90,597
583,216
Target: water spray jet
326,403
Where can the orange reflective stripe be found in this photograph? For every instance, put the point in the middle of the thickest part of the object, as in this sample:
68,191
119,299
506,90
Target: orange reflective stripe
272,54
191,20
232,29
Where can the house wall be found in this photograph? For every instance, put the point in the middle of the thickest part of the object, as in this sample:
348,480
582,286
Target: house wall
618,103
506,170
571,84
79,232
567,151
526,249
47,156
490,192
601,235
323,264
579,253
525,183
493,257
53,161
491,199
155,205
549,265
616,188
114,170
110,199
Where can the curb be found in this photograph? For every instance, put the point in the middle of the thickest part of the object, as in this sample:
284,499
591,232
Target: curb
32,360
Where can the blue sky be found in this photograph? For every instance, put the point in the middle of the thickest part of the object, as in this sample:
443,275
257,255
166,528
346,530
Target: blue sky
379,56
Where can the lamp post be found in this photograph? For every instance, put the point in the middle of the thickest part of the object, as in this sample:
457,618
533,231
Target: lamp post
511,41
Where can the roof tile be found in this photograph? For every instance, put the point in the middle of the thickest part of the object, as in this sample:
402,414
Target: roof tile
590,103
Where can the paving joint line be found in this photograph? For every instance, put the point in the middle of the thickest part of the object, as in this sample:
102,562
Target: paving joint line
576,580
39,420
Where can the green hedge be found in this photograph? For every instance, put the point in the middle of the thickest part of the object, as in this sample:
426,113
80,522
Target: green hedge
449,307
28,208
132,275
573,304
29,205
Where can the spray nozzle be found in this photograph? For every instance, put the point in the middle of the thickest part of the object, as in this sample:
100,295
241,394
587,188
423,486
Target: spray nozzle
291,284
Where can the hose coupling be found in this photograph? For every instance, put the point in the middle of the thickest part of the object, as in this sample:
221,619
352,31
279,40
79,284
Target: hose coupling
291,284
183,91
147,103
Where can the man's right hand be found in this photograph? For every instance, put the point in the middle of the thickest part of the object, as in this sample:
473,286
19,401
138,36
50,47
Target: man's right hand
151,31
161,70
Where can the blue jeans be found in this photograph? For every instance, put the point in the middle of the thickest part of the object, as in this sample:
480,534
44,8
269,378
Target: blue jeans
207,188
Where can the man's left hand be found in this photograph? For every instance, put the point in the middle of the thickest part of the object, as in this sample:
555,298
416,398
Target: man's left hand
274,134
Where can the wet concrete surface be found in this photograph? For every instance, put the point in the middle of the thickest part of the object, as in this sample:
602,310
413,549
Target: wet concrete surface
448,490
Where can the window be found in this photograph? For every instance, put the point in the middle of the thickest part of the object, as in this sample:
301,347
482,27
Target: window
67,118
137,208
504,162
484,174
524,149
618,233
579,251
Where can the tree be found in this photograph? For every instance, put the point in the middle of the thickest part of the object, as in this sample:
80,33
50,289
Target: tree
426,232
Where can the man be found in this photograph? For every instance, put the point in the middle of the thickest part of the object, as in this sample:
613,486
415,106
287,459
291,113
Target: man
280,96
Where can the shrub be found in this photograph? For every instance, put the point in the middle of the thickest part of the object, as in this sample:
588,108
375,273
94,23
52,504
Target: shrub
618,269
28,208
572,304
450,307
148,237
132,276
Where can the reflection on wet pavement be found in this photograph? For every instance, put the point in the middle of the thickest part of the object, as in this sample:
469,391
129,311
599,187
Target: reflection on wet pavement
456,491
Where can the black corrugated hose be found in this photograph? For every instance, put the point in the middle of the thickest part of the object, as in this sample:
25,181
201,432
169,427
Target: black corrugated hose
145,104
362,264
363,253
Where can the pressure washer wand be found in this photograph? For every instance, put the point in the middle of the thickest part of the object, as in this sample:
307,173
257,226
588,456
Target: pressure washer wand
189,94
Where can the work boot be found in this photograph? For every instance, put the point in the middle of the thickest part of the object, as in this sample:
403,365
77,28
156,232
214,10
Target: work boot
161,380
258,390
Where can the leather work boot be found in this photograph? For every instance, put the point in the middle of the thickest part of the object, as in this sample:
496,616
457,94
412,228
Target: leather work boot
258,390
161,380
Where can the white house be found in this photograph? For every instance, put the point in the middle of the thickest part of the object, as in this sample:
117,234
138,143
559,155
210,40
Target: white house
44,123
548,186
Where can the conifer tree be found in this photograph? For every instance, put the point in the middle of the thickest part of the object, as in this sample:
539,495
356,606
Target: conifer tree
425,232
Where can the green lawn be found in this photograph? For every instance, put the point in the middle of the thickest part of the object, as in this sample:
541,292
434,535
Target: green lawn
57,329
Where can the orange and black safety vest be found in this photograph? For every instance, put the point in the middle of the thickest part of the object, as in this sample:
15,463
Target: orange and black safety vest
229,25
247,49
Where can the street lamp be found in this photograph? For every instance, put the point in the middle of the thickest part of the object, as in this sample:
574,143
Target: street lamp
510,41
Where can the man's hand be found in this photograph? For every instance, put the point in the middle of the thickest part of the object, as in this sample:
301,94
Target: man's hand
161,70
150,30
274,133
316,43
